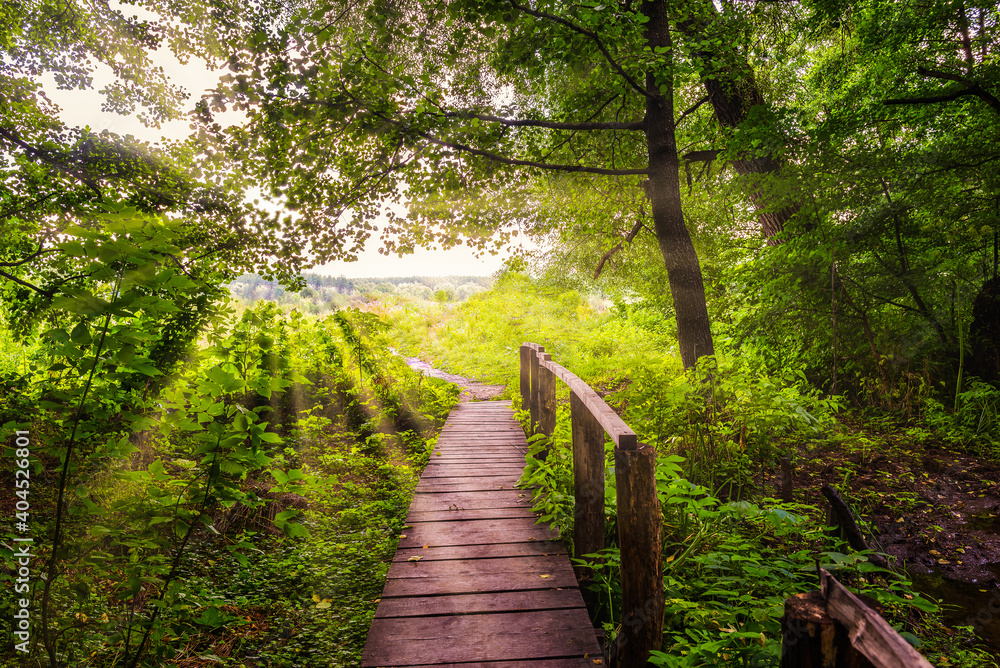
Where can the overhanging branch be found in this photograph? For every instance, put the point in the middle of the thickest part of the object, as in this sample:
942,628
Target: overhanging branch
552,125
969,87
629,238
11,277
531,163
593,36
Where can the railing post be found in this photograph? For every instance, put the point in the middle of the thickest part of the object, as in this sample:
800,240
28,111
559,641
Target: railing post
525,385
534,387
639,538
546,397
588,484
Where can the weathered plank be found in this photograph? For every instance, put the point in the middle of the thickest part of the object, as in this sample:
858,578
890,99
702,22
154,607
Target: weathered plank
459,470
477,486
491,551
469,500
464,604
479,532
620,433
457,513
869,633
506,636
419,578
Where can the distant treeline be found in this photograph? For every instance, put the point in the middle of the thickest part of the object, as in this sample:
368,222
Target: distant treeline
330,292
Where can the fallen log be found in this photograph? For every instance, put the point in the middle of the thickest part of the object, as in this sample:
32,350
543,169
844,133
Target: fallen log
849,526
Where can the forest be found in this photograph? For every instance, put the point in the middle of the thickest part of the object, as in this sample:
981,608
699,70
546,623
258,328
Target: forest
765,230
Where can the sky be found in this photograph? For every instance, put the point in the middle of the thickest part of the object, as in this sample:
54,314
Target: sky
83,108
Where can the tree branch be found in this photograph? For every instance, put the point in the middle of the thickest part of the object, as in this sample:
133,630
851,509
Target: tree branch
970,88
698,156
531,163
465,148
629,238
552,125
11,277
930,99
691,110
41,249
44,156
593,36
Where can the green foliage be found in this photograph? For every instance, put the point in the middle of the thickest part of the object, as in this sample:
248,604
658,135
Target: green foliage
479,337
976,423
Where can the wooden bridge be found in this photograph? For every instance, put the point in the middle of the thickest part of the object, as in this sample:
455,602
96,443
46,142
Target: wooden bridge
476,583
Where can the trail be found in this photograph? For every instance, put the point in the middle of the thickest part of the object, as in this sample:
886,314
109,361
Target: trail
472,390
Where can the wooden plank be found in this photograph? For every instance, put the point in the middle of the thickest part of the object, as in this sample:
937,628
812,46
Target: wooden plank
588,486
507,636
537,565
640,537
481,532
516,459
488,551
424,501
585,661
525,374
419,578
869,633
457,513
490,481
464,604
478,486
454,471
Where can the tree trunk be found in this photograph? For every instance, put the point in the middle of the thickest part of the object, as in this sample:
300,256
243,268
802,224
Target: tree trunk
664,189
732,89
984,334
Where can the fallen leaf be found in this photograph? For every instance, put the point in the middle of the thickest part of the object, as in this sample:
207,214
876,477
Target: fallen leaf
414,558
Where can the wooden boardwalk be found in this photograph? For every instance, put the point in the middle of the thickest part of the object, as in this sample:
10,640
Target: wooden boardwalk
475,582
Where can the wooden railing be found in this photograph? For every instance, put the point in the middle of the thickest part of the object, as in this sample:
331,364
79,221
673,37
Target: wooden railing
834,623
639,520
815,627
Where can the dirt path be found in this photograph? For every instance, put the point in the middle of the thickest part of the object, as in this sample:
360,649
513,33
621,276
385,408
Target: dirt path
472,390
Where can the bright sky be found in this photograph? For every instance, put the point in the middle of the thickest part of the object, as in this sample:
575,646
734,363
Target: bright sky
83,108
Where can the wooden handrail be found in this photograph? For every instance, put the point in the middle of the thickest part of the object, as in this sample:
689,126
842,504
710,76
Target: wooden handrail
853,627
639,519
834,622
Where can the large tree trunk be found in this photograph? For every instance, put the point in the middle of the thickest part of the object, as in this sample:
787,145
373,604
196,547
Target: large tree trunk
984,334
732,89
683,271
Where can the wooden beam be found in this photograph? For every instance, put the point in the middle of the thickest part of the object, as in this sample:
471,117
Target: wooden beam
869,633
534,388
546,396
620,433
588,489
524,354
639,537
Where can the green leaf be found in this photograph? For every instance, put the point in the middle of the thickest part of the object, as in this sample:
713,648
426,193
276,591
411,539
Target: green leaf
285,515
80,334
